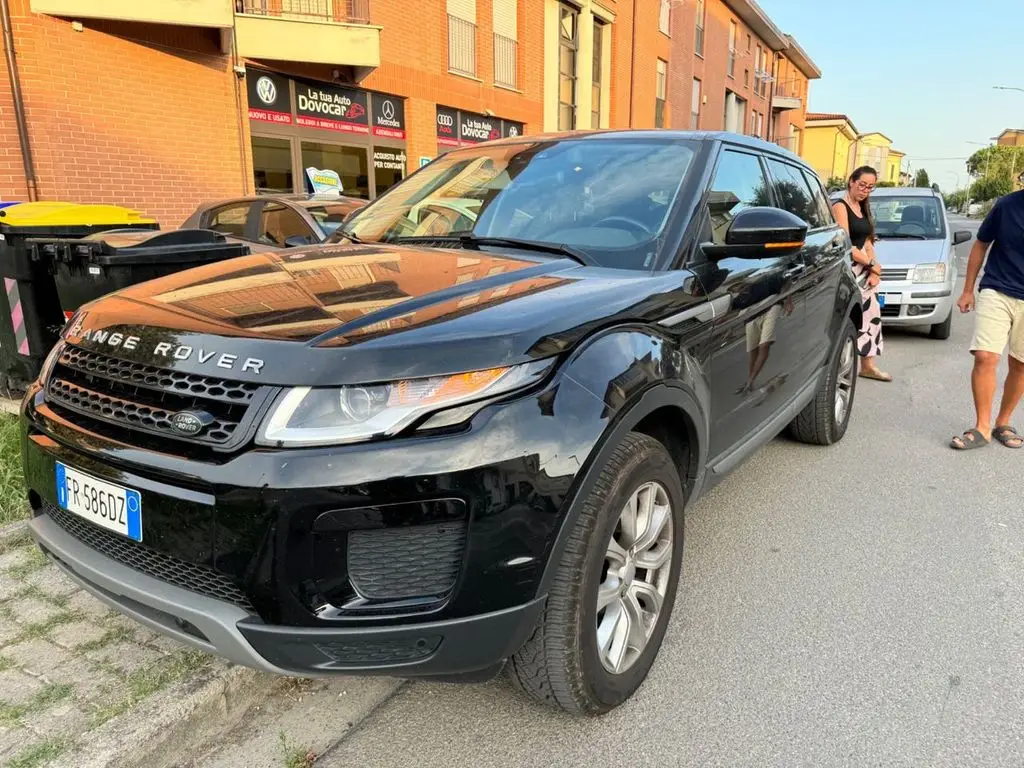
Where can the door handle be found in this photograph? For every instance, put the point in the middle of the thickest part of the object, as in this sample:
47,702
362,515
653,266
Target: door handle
794,271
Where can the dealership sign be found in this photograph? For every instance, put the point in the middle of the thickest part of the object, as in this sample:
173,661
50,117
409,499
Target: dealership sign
331,108
269,100
324,181
456,128
388,116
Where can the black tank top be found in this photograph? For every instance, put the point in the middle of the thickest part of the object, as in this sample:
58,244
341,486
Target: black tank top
860,228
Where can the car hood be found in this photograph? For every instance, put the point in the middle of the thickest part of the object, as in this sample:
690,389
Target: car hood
908,253
345,314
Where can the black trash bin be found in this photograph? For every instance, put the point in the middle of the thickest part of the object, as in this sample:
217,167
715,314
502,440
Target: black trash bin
88,268
30,312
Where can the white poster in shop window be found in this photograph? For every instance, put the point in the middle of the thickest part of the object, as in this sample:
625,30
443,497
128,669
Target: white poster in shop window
325,182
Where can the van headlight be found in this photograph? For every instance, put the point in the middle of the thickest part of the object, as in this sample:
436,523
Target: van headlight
306,416
930,273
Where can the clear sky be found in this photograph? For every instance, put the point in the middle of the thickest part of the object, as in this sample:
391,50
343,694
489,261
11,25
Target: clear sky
919,71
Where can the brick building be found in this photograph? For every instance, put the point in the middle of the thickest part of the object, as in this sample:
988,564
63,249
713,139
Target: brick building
159,105
731,68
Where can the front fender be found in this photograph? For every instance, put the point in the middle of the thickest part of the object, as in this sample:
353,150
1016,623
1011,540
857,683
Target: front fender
634,373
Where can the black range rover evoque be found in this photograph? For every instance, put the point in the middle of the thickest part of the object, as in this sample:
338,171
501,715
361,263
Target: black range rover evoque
462,436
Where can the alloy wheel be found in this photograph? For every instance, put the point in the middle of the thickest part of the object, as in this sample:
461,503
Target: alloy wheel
635,577
844,380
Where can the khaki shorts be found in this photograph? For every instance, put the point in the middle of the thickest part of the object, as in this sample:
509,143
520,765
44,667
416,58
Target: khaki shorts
1000,321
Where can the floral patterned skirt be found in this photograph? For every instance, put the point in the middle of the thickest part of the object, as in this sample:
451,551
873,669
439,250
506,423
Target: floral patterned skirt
869,342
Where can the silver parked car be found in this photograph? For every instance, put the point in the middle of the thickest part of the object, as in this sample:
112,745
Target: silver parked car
916,249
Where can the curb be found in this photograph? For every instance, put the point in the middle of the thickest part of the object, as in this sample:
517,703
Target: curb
173,723
7,405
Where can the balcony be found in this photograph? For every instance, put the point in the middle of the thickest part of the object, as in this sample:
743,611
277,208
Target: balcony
313,31
788,95
216,14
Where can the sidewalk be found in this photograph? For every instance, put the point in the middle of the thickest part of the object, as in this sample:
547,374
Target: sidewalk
82,686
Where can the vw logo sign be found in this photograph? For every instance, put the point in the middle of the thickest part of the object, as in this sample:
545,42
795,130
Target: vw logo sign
266,90
190,422
388,110
513,131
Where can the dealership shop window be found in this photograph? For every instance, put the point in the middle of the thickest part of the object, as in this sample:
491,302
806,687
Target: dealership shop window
272,165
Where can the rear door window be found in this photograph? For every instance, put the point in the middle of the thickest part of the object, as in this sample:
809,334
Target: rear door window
279,222
230,219
820,198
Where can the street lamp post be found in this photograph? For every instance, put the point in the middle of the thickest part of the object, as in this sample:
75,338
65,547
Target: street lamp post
1008,88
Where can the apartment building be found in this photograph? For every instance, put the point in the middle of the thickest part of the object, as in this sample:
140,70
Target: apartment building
834,147
731,68
1011,138
159,105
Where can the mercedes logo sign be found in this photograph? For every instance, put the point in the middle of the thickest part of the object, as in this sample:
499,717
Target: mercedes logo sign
388,110
266,90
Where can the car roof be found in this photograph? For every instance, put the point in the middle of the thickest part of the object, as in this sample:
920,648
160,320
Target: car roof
904,192
294,198
751,142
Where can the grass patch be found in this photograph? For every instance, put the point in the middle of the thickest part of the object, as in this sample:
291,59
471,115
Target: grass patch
35,559
42,628
40,754
13,504
117,634
296,757
51,694
143,683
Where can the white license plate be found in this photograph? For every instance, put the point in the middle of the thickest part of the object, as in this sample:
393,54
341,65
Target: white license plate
105,504
893,298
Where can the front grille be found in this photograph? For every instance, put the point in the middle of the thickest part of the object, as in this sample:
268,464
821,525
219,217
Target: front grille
194,578
145,397
894,275
401,563
891,310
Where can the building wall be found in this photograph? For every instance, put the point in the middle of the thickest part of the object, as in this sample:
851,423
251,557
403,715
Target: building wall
873,150
827,149
892,167
790,124
1011,139
113,111
712,68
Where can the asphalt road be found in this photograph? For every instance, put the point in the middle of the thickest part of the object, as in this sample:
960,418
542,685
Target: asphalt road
861,605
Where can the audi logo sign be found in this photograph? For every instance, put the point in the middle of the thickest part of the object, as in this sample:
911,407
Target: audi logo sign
446,120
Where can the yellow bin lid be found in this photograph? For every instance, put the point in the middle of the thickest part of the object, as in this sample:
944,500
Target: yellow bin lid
46,214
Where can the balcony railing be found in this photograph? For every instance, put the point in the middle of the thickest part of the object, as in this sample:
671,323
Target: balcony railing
347,11
505,59
461,46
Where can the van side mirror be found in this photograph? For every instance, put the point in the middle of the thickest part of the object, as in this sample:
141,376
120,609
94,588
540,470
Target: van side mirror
760,233
962,236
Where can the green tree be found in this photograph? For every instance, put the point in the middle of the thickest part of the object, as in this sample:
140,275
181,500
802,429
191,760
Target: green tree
991,187
956,200
996,161
922,180
835,184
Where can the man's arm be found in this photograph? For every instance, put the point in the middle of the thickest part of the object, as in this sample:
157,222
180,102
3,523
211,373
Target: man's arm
986,235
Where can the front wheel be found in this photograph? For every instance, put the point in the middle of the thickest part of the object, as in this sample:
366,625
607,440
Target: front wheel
824,420
942,331
612,596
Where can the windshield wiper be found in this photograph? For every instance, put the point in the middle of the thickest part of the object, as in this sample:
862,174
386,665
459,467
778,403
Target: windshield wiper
348,234
903,236
468,240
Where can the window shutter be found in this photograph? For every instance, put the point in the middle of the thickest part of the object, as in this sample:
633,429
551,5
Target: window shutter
463,9
505,21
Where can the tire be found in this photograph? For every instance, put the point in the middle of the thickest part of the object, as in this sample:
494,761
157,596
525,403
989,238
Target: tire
561,664
819,423
942,331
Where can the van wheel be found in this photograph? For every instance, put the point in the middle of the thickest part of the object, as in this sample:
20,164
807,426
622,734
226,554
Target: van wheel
824,420
942,331
612,595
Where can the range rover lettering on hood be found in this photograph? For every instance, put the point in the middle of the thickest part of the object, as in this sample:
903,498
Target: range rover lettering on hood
176,351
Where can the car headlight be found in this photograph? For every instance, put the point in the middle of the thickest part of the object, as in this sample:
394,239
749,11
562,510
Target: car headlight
50,361
306,416
930,273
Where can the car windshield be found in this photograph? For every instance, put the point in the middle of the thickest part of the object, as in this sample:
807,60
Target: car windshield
908,217
606,197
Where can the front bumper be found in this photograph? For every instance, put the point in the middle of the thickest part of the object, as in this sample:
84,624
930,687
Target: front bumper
910,304
233,553
458,647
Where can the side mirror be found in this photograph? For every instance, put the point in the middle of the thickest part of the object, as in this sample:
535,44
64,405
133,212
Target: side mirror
296,241
760,233
962,236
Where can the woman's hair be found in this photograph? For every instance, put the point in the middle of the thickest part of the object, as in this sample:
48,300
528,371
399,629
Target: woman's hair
865,206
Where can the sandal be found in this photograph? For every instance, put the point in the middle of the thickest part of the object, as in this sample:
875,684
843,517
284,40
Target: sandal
970,440
875,375
1008,435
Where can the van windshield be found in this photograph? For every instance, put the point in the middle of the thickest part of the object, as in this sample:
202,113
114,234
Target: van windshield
915,218
607,197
